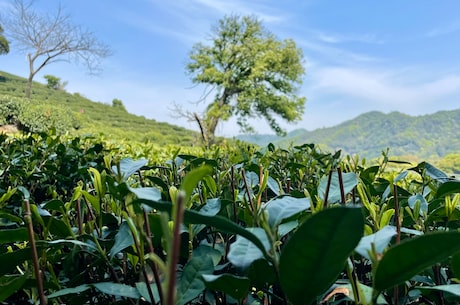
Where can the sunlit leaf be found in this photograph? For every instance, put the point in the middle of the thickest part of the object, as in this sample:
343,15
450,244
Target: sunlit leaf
315,255
401,262
350,180
243,252
381,239
283,207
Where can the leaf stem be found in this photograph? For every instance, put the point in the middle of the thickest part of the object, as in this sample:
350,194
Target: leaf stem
33,247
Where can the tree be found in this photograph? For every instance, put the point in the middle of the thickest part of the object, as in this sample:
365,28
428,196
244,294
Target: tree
252,73
46,39
117,103
54,82
4,45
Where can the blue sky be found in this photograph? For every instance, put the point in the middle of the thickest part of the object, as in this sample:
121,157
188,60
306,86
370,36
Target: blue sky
359,55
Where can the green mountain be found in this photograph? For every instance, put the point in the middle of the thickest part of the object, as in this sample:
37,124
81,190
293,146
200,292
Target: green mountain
95,117
428,136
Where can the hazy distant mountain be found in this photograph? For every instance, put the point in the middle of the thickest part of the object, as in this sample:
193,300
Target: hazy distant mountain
432,135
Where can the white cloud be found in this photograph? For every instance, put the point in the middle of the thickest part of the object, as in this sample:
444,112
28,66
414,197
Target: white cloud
335,38
444,29
386,89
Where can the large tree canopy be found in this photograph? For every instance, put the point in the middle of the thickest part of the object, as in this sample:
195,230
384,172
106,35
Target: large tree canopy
253,73
48,38
4,46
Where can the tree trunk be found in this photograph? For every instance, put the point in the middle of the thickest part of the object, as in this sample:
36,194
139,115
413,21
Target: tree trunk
203,130
29,85
31,75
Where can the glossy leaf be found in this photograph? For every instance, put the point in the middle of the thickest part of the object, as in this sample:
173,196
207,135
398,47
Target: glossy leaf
449,187
123,239
9,284
221,223
192,178
452,288
149,193
116,289
423,203
281,208
350,180
67,291
235,286
315,255
13,235
211,207
403,261
381,239
243,252
274,186
128,167
191,284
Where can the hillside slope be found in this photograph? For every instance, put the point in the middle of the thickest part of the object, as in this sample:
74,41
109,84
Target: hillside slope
96,117
427,136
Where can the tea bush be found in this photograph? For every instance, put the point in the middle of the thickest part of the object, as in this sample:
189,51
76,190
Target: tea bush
93,221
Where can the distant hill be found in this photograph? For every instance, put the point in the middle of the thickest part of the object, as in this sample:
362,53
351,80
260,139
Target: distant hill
427,136
95,117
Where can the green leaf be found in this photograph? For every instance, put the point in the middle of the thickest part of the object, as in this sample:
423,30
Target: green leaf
318,252
12,259
13,235
281,208
55,205
235,286
128,167
149,193
191,283
123,239
221,223
203,250
447,188
9,284
452,288
261,273
192,178
381,239
116,289
274,186
211,207
243,252
401,262
350,180
455,262
144,292
366,291
66,291
423,203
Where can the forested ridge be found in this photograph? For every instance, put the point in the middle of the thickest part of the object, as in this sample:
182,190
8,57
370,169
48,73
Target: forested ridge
427,136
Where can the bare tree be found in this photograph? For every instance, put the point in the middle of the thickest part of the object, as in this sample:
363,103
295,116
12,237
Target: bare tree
46,39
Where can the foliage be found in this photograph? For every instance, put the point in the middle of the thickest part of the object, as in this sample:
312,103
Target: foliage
117,103
450,163
254,75
54,82
100,119
31,116
48,38
4,45
222,226
429,136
